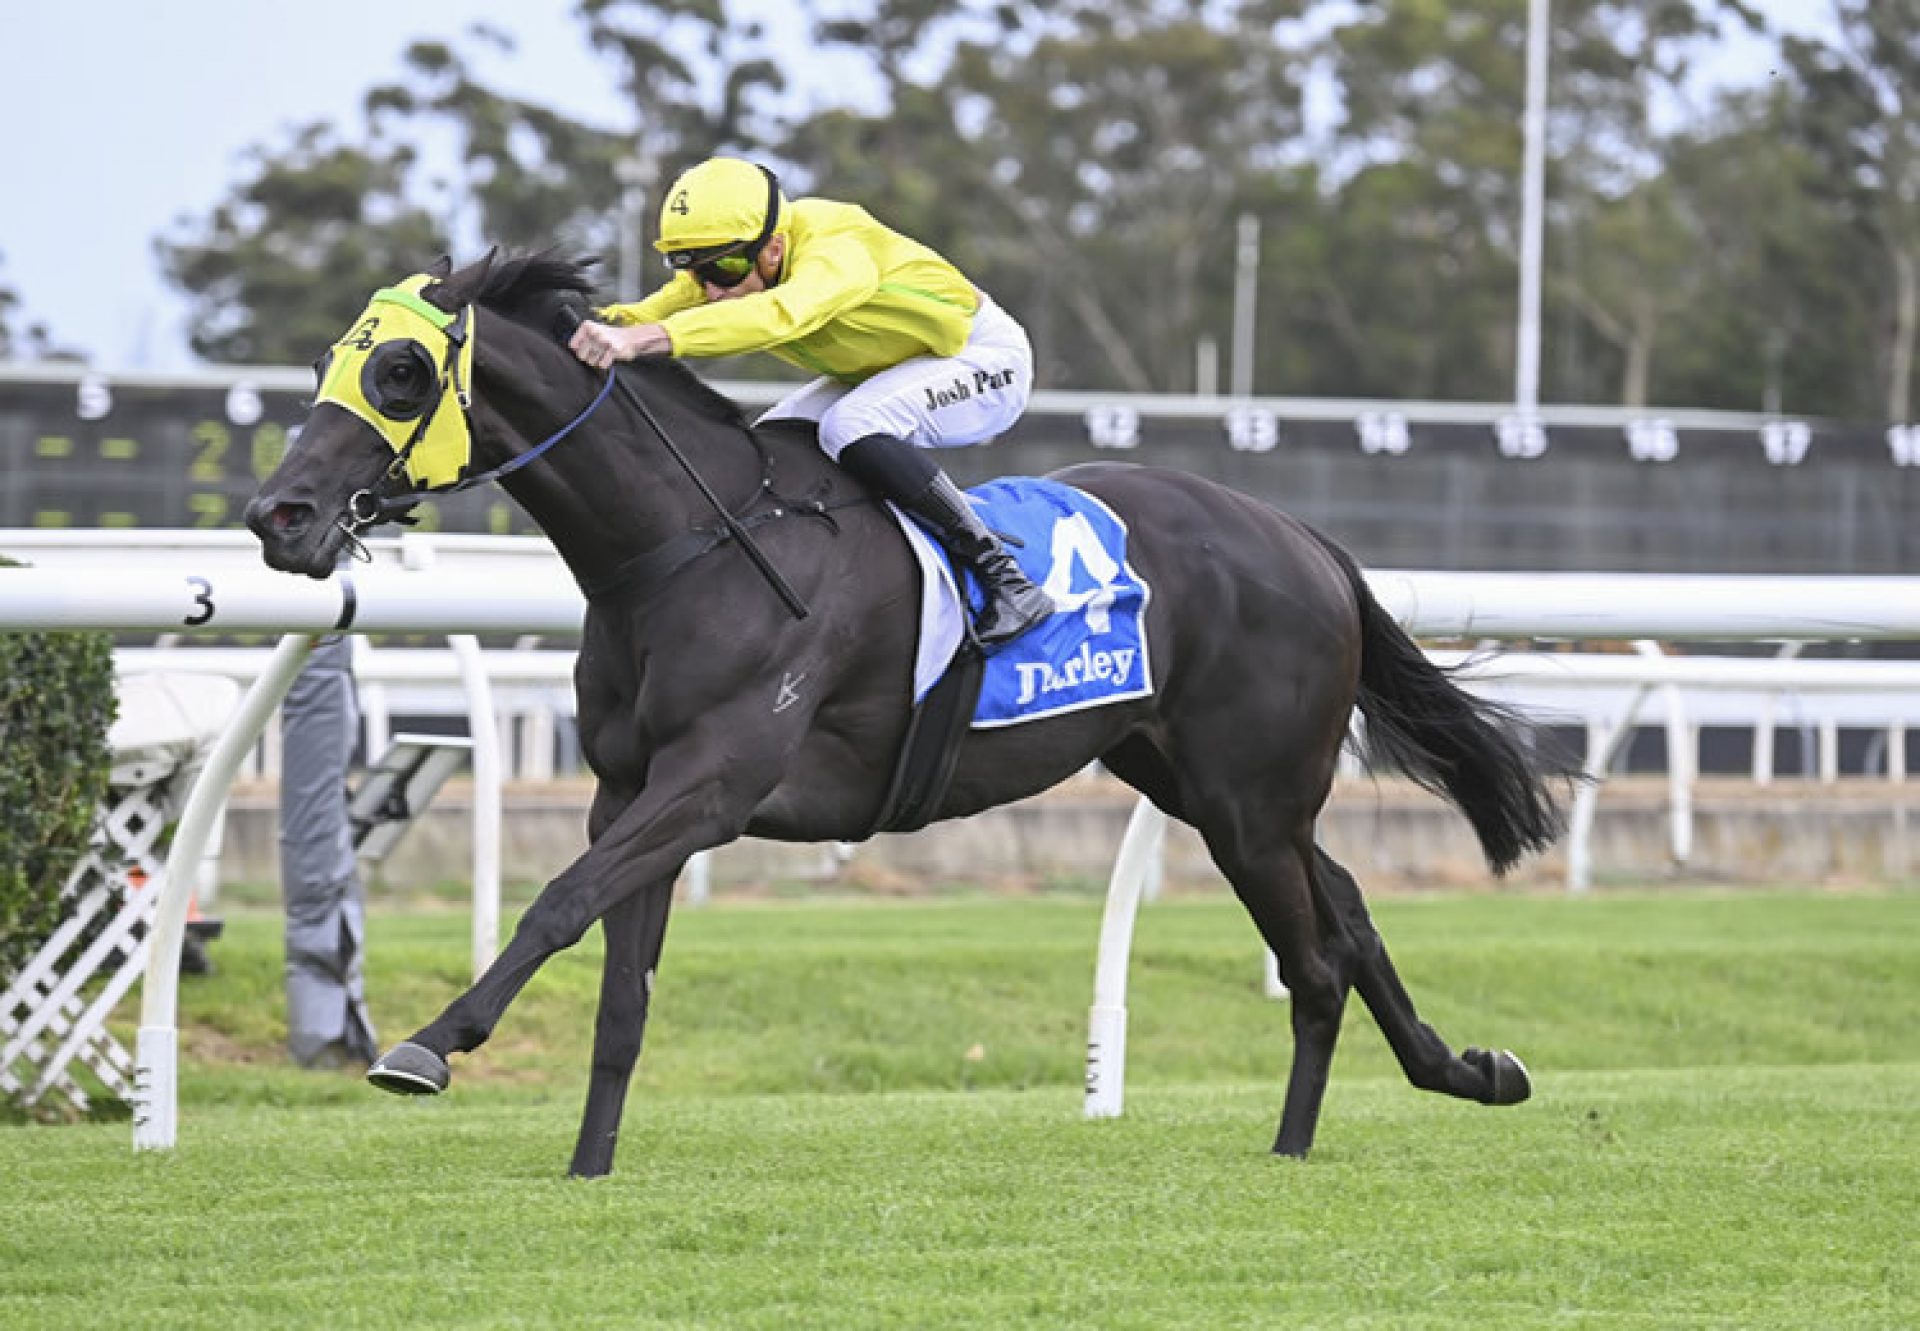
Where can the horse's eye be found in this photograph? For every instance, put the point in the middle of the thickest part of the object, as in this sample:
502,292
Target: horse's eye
398,380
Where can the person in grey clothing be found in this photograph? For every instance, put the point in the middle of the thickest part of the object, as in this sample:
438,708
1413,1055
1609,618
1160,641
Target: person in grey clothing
327,1020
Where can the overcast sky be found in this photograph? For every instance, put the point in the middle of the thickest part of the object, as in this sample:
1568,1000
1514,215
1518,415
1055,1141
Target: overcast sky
124,115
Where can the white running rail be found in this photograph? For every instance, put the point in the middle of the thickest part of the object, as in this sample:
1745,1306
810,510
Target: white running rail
203,588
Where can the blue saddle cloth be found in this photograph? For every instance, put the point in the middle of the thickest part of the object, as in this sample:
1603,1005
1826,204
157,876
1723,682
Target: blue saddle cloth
1093,650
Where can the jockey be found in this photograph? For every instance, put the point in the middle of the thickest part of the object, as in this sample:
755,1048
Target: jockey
911,355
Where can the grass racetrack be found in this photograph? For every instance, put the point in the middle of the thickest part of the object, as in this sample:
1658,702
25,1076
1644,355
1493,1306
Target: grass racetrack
859,1114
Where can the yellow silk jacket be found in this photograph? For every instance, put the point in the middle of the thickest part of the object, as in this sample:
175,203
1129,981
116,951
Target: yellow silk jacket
854,298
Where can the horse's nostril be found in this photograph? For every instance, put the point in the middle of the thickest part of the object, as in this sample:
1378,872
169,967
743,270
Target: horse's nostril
283,519
287,519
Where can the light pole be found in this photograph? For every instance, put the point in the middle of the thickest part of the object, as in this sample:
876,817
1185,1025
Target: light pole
1246,289
1526,379
633,173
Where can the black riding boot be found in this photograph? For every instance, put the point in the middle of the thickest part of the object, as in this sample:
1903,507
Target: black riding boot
908,477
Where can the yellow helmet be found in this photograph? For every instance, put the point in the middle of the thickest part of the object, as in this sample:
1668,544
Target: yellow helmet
723,201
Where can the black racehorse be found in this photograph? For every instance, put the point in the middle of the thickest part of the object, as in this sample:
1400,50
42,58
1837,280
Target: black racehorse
708,710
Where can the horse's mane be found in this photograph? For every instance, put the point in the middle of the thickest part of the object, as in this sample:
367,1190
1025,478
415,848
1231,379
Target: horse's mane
529,289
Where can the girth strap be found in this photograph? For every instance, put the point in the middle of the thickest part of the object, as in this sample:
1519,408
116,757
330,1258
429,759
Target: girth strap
931,749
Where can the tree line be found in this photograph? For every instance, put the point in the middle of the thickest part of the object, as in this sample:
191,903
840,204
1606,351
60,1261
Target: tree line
1748,245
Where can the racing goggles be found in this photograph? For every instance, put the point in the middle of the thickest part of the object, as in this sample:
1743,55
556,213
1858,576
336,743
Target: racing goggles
723,266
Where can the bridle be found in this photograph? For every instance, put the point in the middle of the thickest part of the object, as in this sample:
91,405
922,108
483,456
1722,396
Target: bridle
369,507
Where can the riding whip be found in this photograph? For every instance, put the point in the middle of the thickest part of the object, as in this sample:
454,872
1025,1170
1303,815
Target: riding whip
566,320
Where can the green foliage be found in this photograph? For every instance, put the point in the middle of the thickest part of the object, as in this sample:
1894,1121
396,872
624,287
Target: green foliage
535,177
26,338
1787,294
1088,161
700,78
9,302
1101,147
56,702
276,272
1858,114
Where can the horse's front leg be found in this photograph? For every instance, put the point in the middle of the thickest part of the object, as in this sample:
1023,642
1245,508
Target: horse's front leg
635,929
691,802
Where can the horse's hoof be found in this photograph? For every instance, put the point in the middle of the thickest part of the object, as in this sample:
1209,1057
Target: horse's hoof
1507,1079
1511,1084
410,1069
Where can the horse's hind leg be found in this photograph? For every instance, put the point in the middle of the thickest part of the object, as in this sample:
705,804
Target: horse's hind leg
635,929
1493,1077
1269,868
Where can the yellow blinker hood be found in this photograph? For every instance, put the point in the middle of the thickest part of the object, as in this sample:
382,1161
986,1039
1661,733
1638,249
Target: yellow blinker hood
361,374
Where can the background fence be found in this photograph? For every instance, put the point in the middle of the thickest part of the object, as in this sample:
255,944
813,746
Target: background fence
1438,485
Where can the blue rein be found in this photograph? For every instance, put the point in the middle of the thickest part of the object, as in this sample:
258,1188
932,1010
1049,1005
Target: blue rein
377,509
512,465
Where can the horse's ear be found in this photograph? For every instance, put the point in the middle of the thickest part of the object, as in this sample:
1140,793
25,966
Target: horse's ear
452,290
441,268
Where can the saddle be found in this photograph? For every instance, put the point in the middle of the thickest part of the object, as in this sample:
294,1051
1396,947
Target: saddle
1092,652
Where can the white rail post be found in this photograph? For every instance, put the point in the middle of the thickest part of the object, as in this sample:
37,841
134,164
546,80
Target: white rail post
485,728
376,715
156,1055
1140,849
1682,758
1603,746
1829,731
697,878
1270,982
1763,760
1763,742
536,742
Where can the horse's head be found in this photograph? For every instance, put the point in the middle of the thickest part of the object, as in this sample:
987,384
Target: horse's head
397,415
390,415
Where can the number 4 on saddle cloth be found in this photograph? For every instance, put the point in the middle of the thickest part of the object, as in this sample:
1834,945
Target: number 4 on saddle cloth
1091,652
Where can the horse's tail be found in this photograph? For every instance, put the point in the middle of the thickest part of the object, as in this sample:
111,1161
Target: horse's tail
1476,754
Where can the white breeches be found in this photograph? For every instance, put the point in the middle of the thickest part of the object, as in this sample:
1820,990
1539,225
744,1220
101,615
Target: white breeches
931,401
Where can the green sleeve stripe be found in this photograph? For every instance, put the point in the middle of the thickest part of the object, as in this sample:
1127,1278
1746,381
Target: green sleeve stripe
900,289
794,352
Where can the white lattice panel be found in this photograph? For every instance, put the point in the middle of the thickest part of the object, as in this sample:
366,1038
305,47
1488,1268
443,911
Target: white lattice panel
53,1013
